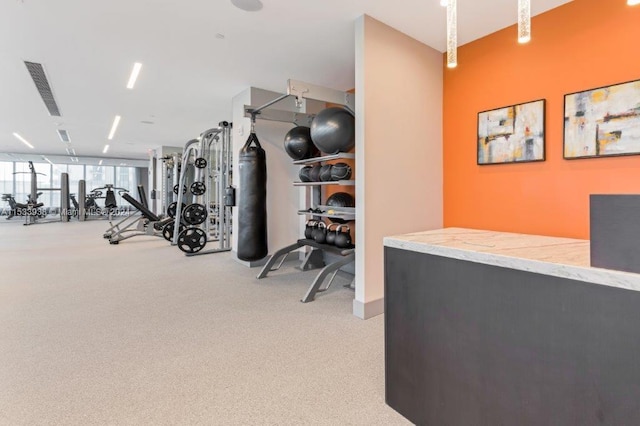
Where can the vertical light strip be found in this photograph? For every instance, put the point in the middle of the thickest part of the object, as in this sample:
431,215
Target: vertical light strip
106,148
452,34
134,75
524,21
114,127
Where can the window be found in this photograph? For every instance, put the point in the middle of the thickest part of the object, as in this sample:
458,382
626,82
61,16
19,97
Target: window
126,178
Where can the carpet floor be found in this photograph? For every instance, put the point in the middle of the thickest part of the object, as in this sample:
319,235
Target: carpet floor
138,333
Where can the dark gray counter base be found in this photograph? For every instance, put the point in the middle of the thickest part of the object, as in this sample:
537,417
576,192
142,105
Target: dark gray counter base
473,344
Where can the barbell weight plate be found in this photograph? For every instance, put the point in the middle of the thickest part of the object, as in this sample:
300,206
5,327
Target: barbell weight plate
192,240
176,186
198,188
201,163
167,230
194,214
172,209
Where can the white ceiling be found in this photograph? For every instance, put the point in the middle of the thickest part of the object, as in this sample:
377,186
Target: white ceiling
189,75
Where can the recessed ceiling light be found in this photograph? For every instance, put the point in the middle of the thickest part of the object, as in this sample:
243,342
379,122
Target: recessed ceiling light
106,148
114,127
100,163
444,3
134,75
633,2
47,160
248,5
23,140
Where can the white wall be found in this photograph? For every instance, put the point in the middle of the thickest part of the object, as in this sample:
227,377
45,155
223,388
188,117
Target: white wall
398,148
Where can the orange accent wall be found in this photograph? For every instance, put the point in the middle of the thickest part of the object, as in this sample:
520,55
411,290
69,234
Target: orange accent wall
578,46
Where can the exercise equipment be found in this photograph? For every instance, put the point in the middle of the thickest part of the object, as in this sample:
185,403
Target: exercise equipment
34,211
320,233
194,214
192,240
205,211
341,199
305,174
198,188
325,173
298,144
146,223
168,228
343,237
331,235
341,171
333,130
314,173
176,189
252,217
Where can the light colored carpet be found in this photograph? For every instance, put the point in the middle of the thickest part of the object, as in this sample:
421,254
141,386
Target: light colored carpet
139,334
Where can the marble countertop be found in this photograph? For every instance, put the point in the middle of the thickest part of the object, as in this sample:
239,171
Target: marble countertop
560,257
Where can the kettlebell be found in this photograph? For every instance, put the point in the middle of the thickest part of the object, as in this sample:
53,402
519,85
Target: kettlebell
308,230
343,238
320,233
331,235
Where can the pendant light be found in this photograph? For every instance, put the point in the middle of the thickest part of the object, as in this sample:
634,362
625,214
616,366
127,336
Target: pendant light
524,21
452,34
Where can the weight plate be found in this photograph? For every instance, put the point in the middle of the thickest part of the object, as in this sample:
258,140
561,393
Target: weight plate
194,214
171,210
167,230
192,240
176,186
198,188
201,163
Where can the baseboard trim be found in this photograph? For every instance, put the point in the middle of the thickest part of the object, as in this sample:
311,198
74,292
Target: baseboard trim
369,309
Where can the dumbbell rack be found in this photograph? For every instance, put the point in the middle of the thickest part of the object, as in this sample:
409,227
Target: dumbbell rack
314,259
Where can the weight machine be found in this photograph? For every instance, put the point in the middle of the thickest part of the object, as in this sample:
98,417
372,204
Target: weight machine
33,211
208,217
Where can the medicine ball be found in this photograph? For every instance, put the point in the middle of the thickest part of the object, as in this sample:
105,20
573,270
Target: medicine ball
325,172
305,174
341,171
333,130
314,174
341,199
298,143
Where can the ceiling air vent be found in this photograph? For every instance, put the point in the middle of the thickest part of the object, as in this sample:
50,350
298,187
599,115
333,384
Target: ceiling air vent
64,136
42,84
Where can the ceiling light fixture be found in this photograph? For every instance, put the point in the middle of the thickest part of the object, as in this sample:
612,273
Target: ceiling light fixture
106,148
134,75
248,5
100,163
444,3
452,34
114,127
633,2
23,140
47,160
524,21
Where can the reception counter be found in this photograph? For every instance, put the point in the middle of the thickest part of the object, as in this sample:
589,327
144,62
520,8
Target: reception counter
492,328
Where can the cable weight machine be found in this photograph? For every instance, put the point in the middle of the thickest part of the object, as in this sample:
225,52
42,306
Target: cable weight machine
207,218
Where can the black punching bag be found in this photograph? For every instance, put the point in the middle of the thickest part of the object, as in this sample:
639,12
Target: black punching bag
252,203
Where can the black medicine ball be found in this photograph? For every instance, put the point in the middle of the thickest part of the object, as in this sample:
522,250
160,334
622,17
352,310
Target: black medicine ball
341,199
305,174
341,171
298,143
325,172
314,174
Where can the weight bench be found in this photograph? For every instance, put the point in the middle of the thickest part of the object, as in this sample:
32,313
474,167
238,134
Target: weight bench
313,260
148,223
